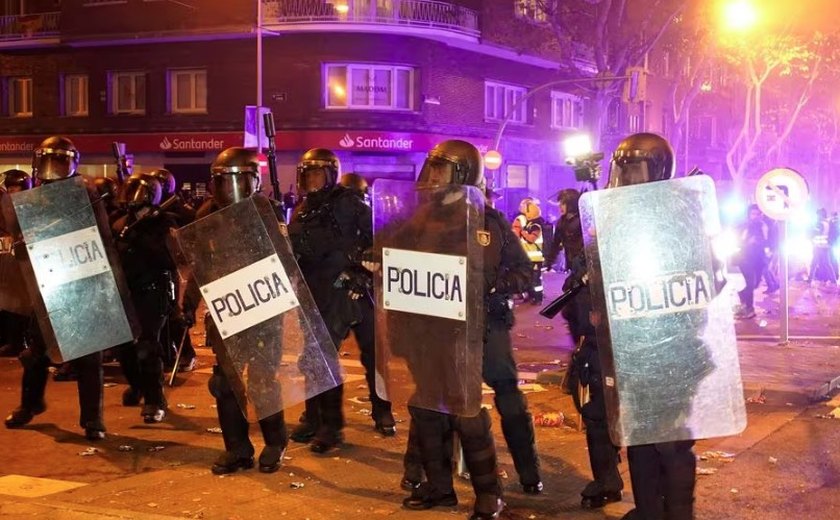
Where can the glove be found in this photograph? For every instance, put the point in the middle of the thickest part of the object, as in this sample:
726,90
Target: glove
357,282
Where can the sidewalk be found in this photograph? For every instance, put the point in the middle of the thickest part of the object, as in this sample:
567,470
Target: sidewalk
361,480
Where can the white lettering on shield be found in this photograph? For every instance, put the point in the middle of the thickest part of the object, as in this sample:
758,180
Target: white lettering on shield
430,284
661,295
68,258
249,296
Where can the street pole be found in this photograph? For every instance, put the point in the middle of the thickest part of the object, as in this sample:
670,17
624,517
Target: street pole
686,130
784,311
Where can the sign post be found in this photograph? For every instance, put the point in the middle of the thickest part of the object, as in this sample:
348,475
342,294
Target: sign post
779,193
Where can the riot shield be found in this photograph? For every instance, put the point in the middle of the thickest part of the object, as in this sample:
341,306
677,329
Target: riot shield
665,330
71,270
269,335
13,296
429,295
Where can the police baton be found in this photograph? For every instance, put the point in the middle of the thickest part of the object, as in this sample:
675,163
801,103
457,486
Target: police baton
270,133
152,214
178,356
118,150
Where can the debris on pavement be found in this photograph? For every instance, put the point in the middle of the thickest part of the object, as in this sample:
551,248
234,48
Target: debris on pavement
757,398
706,471
109,385
296,485
185,406
717,455
344,353
126,447
552,419
364,411
773,460
520,335
360,400
214,430
502,473
733,491
88,452
155,448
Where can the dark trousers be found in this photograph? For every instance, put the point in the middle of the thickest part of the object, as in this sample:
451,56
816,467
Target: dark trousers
751,268
663,478
234,423
500,373
603,454
141,361
89,383
434,434
535,290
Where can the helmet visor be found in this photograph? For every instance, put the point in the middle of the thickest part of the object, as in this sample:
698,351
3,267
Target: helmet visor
628,173
436,172
230,188
312,179
52,166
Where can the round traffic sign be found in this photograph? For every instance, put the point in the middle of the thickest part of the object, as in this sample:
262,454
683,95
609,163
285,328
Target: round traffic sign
492,160
780,192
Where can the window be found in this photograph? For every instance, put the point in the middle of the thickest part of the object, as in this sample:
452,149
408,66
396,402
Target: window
499,101
369,87
128,92
75,92
517,176
188,91
566,110
20,96
530,9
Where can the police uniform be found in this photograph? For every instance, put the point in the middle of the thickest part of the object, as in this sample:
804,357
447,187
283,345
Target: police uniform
57,159
330,230
236,177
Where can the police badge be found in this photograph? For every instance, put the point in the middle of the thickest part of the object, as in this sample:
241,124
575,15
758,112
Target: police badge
483,237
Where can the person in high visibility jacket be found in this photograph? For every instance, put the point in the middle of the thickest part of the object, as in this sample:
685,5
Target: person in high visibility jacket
528,227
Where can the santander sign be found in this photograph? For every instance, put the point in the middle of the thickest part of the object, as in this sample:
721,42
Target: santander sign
368,142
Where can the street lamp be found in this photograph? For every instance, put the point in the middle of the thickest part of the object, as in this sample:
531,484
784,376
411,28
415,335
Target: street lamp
739,15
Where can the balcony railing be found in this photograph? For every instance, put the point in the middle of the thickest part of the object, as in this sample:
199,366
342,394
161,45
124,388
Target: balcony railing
29,26
412,13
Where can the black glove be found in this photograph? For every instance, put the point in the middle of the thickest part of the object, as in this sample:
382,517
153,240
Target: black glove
357,280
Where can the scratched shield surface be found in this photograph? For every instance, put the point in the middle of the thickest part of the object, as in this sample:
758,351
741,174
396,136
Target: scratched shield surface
429,295
265,328
665,330
71,269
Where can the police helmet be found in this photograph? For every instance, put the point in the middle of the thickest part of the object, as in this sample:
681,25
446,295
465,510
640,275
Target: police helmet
235,175
56,158
641,158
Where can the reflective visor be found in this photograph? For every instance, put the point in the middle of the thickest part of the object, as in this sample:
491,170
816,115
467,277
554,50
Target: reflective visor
436,172
231,188
626,172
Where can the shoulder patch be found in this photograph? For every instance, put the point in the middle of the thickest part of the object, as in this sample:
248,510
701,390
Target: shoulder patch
284,229
483,237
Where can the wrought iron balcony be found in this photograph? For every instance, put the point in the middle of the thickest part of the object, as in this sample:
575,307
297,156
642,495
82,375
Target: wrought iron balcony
29,26
429,14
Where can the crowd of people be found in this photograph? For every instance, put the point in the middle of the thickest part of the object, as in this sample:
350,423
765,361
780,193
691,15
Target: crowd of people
330,231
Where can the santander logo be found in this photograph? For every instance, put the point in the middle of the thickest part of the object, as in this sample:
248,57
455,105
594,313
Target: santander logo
166,144
347,141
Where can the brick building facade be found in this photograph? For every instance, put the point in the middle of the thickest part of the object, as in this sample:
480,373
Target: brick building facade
379,81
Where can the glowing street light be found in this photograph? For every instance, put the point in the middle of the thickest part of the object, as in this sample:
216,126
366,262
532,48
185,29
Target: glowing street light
577,145
739,15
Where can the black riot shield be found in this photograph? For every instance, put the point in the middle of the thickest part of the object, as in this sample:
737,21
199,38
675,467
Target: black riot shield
71,269
429,295
273,341
666,335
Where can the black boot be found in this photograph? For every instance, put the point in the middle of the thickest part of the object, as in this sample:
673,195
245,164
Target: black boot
153,414
594,496
131,397
488,508
383,419
274,434
21,416
326,440
425,496
271,458
309,421
229,462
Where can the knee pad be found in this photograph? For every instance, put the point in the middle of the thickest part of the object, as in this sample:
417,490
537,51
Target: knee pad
474,426
218,384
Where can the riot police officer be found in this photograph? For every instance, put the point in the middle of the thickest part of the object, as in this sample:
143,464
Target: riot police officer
149,271
507,271
234,177
663,474
584,380
330,230
57,159
12,325
356,183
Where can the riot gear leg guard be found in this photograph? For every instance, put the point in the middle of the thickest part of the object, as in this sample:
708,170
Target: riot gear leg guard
603,455
127,357
365,336
239,452
679,466
90,384
412,460
434,432
310,422
329,433
480,458
151,370
33,387
646,478
276,439
518,429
